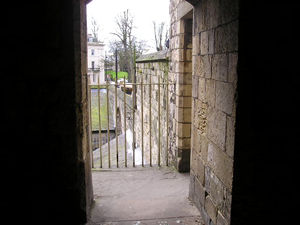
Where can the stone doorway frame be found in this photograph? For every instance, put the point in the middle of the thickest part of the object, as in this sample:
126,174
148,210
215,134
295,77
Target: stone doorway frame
181,67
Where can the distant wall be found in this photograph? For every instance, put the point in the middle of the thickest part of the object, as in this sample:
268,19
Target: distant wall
151,69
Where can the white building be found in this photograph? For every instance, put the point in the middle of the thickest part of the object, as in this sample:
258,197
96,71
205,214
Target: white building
95,60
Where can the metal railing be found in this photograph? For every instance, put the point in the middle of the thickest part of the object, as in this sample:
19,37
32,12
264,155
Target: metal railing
103,154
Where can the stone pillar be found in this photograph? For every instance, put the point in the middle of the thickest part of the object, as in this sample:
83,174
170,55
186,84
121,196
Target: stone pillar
82,104
181,75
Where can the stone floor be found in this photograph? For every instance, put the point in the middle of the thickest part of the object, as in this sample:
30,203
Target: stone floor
142,196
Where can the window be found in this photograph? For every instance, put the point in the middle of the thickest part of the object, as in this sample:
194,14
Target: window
93,64
93,51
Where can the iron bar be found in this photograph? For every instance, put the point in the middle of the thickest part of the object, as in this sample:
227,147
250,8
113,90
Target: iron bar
144,84
125,144
99,117
150,120
159,120
153,84
108,124
142,119
116,111
133,130
167,126
127,106
90,131
134,105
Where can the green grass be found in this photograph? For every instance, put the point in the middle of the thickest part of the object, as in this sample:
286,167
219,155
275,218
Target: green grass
95,111
96,86
121,74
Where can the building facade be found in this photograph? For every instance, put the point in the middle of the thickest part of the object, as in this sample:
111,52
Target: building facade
95,60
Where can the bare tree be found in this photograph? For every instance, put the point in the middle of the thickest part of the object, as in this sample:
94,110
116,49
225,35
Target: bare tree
159,35
94,28
126,42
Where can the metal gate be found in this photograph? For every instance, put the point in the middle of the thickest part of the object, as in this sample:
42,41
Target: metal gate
134,105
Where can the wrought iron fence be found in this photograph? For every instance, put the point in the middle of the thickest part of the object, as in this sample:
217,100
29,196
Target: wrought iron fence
119,158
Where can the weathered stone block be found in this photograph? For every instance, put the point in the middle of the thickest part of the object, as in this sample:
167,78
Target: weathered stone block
196,64
226,210
195,87
212,13
178,55
184,115
184,78
226,38
183,143
183,130
192,186
200,116
204,43
214,187
211,41
180,26
199,170
229,12
211,209
224,96
180,42
196,45
232,67
196,147
198,17
186,67
199,194
204,215
201,90
205,66
183,102
188,55
210,92
183,67
203,148
216,122
221,164
221,219
219,67
230,135
184,90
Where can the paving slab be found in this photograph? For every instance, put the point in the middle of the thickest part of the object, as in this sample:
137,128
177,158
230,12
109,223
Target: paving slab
142,196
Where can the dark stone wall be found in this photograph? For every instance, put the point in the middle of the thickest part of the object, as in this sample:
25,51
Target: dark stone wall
44,174
264,183
214,78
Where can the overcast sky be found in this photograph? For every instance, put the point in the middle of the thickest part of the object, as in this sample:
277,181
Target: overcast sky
143,11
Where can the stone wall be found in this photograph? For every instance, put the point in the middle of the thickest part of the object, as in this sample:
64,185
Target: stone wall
153,69
181,74
118,113
104,138
48,106
213,84
81,102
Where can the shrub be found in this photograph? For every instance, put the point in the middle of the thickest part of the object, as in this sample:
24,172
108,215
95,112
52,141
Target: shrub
121,74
